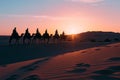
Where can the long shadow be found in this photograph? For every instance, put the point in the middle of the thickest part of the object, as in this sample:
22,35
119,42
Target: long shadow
17,53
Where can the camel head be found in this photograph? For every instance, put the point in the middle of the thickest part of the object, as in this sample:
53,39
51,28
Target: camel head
33,34
22,35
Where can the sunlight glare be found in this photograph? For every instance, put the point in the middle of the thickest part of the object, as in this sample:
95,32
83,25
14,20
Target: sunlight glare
72,29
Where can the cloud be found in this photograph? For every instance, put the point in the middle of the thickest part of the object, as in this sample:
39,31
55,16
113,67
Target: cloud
86,1
37,17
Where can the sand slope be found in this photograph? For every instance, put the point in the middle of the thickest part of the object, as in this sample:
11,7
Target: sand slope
98,63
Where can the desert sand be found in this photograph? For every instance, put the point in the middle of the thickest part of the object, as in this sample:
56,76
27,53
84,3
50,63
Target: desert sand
89,63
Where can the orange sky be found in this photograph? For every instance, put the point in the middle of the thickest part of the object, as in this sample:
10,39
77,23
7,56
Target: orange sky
64,15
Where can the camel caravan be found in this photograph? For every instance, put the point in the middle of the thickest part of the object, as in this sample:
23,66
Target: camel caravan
36,37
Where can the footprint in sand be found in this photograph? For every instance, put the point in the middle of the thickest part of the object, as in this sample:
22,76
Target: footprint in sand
114,68
26,69
83,51
82,65
107,46
32,77
106,73
29,68
13,77
113,59
98,49
32,66
80,68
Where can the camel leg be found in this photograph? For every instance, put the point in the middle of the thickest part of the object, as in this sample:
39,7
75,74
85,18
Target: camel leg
44,40
17,41
23,40
10,40
47,40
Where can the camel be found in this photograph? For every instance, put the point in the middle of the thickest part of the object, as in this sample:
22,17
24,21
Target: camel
46,37
15,36
27,37
56,36
37,36
63,36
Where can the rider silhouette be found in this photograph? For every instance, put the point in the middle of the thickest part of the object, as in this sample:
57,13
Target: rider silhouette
46,31
27,32
37,32
63,33
15,33
56,32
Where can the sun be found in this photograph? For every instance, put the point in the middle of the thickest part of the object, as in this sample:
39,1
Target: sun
72,30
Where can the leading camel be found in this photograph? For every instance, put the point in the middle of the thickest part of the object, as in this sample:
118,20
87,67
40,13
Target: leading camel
15,36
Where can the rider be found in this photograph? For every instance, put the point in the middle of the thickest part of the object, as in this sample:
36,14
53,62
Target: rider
56,34
27,32
14,33
37,32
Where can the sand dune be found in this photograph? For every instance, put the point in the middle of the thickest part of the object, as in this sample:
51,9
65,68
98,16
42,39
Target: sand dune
22,52
98,63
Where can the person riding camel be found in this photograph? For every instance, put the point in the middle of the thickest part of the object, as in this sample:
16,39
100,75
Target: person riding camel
27,32
15,33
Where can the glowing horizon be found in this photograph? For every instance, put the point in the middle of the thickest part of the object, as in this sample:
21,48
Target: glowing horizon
71,16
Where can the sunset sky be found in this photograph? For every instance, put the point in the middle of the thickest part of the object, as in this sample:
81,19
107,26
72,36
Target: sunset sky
71,16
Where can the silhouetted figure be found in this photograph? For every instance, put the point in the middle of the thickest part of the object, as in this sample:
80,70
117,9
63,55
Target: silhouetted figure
46,36
63,36
37,35
27,36
56,35
15,36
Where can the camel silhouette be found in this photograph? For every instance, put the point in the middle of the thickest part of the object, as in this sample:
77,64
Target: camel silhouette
37,36
56,35
15,36
27,37
46,36
63,36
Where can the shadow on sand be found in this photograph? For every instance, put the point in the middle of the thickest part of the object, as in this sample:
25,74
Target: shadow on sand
113,59
25,69
32,77
80,68
18,53
107,74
